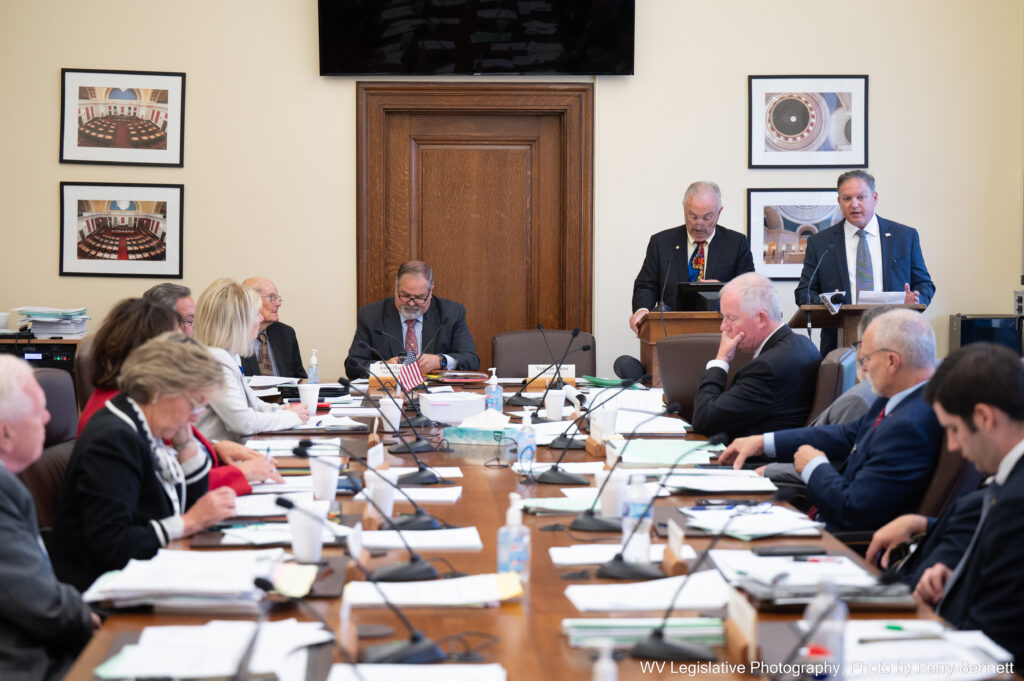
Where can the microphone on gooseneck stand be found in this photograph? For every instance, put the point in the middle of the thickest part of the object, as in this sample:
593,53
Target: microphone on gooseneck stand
536,417
807,294
617,567
557,476
419,444
556,380
564,441
423,475
518,400
660,306
419,649
420,419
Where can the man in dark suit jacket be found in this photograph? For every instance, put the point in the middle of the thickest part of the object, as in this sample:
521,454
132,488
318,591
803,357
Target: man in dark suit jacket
885,459
776,389
672,253
894,252
282,347
43,623
437,333
978,396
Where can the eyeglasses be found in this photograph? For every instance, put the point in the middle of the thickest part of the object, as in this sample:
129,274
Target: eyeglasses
189,321
414,299
861,359
197,407
273,298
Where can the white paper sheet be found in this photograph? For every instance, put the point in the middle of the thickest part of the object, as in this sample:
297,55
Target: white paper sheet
719,481
764,520
706,590
262,505
439,494
594,554
471,591
785,571
420,672
457,539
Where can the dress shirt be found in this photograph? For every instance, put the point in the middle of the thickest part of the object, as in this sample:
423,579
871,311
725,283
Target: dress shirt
691,246
874,249
418,330
724,366
1008,463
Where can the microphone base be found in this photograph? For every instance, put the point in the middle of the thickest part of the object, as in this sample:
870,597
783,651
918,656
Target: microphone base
655,647
556,476
424,476
520,401
591,522
563,442
419,445
419,521
421,421
417,650
617,568
414,571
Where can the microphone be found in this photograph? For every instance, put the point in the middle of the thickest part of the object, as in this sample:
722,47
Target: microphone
627,366
574,442
551,355
418,650
557,379
518,400
617,567
807,293
420,520
660,306
419,420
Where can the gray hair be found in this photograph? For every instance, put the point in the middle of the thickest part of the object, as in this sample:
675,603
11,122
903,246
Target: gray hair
167,294
225,315
857,175
907,333
757,293
170,364
701,188
871,314
15,374
416,267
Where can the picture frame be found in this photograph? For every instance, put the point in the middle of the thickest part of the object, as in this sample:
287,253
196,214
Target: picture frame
110,229
122,117
779,221
807,121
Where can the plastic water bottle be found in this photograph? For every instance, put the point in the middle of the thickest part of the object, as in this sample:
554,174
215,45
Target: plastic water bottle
824,653
639,548
526,443
493,393
313,373
605,668
514,541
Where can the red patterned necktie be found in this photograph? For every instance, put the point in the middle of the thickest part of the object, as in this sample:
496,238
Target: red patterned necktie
410,336
697,262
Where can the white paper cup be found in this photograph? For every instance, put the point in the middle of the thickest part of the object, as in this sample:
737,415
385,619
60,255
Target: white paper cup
307,533
5,319
554,402
392,412
325,476
614,492
309,395
605,419
381,492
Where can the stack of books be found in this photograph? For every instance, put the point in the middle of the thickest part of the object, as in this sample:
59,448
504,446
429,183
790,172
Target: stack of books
51,322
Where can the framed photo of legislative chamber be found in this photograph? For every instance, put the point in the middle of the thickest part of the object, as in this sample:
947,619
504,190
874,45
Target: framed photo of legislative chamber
779,221
808,122
122,117
121,230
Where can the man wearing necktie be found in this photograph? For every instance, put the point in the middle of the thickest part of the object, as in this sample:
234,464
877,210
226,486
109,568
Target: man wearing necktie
699,250
276,347
978,395
862,474
863,253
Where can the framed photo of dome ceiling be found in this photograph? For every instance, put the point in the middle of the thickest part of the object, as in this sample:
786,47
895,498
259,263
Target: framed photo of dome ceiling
779,222
808,122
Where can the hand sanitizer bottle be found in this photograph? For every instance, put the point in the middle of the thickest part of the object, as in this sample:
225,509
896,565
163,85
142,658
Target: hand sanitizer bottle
526,443
493,393
313,374
514,541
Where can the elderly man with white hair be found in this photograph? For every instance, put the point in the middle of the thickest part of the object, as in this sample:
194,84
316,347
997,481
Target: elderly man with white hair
43,623
888,455
776,389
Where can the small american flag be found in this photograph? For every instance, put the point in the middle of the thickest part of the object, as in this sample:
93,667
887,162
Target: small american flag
410,375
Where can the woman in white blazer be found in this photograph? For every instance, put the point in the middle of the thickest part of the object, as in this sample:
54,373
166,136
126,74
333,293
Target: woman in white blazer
227,320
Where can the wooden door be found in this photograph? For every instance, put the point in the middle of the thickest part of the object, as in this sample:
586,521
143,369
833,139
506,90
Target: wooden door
490,184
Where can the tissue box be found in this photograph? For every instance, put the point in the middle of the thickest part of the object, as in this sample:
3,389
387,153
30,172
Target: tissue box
451,407
477,436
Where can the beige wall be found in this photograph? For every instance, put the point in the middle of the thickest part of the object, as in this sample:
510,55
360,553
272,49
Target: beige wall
270,146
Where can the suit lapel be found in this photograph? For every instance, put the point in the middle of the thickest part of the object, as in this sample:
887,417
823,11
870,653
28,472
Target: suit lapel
839,256
430,322
886,239
393,325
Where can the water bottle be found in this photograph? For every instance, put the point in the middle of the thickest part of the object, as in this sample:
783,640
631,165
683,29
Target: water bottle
639,548
313,373
526,443
514,541
823,655
493,393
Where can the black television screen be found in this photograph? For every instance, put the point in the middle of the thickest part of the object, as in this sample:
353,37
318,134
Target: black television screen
435,37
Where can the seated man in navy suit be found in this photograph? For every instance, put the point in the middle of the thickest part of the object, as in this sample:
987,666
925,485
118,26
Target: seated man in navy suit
776,389
862,253
276,347
414,319
700,250
883,460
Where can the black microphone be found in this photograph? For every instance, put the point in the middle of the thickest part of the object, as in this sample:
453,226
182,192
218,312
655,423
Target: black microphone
573,442
557,378
417,445
418,650
807,294
518,400
661,306
537,418
420,520
433,338
617,567
551,355
419,420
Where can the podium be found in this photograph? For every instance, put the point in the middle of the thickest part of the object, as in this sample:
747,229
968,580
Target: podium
846,320
675,324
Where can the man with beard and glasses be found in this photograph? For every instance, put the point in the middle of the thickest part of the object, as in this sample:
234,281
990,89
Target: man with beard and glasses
433,328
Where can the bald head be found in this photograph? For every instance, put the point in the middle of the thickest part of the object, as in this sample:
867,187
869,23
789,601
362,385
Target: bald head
269,297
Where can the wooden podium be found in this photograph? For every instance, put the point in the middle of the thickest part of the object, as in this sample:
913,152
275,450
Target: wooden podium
675,324
846,320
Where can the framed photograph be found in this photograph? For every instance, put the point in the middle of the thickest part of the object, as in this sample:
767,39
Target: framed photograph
124,117
808,122
779,221
121,230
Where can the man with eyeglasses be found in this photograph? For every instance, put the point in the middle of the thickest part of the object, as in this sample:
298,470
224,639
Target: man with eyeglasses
864,473
415,320
178,298
276,347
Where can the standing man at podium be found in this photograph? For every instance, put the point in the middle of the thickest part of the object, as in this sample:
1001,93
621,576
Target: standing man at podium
700,250
862,253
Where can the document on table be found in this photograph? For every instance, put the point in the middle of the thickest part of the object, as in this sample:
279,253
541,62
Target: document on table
594,554
784,570
331,422
263,505
651,488
420,672
644,452
354,411
557,505
455,539
752,522
258,382
716,481
293,483
706,590
474,591
283,446
272,534
575,467
547,432
441,471
631,421
443,494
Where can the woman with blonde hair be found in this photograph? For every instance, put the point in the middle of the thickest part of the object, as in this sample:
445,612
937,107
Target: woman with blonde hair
227,321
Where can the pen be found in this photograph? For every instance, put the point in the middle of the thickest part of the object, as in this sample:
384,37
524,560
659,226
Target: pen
319,423
816,559
710,508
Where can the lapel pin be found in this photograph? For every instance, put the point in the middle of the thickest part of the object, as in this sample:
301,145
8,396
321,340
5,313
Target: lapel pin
888,234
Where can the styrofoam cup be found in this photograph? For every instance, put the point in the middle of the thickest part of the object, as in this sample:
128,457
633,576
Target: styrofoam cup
325,476
307,533
309,395
554,402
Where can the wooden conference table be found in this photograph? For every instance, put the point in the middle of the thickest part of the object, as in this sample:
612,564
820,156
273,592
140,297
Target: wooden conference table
530,644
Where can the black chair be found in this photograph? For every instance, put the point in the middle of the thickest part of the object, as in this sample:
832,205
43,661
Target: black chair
513,351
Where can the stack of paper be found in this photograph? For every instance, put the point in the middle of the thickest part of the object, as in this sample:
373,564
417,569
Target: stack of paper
595,554
641,452
52,322
474,591
455,539
420,672
445,494
451,408
711,481
188,581
586,632
283,446
749,523
272,534
704,591
790,571
331,422
642,423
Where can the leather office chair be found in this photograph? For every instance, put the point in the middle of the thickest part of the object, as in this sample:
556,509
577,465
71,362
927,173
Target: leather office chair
44,477
83,371
836,374
681,361
512,351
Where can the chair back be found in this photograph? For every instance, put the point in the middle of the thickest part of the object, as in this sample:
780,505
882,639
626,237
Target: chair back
513,351
59,389
836,374
681,361
83,371
954,476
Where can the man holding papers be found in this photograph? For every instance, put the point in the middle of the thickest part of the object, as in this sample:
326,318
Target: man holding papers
884,460
978,395
43,623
